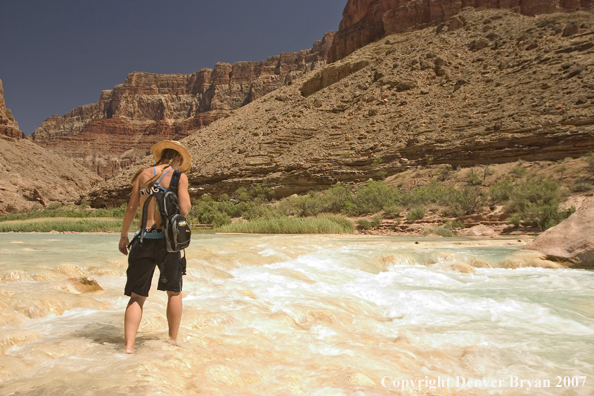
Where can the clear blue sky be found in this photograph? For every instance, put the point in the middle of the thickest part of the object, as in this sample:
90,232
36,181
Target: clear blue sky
56,55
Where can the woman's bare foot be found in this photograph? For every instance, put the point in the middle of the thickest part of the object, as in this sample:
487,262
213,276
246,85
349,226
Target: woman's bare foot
130,350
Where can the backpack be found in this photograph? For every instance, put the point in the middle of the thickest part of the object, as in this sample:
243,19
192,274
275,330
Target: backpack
175,227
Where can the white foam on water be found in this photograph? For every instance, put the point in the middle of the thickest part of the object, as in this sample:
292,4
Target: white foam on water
307,308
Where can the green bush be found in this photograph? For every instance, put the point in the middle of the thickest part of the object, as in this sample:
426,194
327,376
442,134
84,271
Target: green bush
392,211
293,225
415,214
453,224
519,171
473,178
444,172
581,187
466,201
373,197
376,221
364,224
256,192
434,192
535,202
590,160
501,191
72,211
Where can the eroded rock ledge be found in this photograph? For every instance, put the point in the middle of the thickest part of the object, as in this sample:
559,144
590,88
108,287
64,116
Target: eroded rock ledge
366,21
126,121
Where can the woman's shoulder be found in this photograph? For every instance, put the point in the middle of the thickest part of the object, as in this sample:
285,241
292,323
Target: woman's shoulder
146,174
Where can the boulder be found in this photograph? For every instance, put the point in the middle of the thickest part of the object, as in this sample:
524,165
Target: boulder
479,230
81,285
571,241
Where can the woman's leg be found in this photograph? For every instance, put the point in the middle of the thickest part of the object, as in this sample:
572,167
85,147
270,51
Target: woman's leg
174,313
132,320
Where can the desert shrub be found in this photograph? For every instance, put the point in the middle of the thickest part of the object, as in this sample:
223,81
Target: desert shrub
364,224
444,172
415,214
373,197
392,211
381,174
60,210
590,160
302,206
256,192
535,202
466,201
434,192
376,221
62,225
473,178
519,171
220,219
336,199
501,191
581,187
260,212
453,224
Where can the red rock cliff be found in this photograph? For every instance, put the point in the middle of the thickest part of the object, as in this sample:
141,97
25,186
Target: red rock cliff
112,133
365,21
8,125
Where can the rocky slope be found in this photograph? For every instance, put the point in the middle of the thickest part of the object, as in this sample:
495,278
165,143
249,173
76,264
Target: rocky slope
8,126
492,86
365,21
31,176
146,108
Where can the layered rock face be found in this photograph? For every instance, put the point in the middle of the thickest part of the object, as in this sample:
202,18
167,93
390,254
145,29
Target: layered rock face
114,132
365,21
489,87
8,125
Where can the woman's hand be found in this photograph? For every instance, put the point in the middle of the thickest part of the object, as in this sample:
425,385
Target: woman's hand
123,245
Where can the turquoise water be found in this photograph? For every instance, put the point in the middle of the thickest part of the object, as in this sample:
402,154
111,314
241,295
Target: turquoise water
298,315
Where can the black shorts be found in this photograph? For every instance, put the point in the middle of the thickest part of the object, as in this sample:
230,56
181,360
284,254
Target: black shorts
141,266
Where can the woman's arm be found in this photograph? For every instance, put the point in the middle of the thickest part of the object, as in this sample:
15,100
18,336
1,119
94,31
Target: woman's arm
129,216
183,195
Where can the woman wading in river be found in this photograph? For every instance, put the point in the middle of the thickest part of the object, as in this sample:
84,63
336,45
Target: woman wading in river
169,156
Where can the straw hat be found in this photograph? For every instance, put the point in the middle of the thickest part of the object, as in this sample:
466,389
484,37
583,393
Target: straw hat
177,146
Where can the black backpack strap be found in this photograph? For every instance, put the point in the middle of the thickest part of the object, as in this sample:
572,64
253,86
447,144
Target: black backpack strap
174,184
144,214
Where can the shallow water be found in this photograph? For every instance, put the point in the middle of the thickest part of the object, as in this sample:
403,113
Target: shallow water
298,315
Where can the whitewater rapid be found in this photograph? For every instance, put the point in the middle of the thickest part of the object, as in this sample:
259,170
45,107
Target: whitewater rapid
298,315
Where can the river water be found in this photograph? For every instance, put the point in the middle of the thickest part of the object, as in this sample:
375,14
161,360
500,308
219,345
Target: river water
298,315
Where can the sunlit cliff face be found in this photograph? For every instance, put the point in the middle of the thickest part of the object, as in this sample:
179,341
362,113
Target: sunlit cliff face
295,315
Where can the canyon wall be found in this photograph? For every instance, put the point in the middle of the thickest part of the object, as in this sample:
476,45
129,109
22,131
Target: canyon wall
490,87
33,177
365,21
8,125
127,120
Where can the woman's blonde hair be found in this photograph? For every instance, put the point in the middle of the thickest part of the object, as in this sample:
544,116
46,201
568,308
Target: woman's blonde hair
167,156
